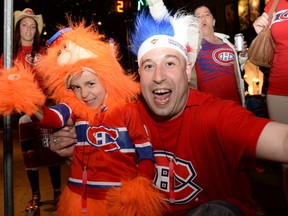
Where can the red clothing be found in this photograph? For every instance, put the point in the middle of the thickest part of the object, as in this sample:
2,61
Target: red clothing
34,141
24,56
211,144
30,132
278,79
215,71
111,149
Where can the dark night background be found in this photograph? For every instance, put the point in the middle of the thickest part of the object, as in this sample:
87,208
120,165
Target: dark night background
267,187
115,24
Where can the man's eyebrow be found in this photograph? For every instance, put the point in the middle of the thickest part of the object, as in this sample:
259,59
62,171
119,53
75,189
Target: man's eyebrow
146,60
171,55
166,56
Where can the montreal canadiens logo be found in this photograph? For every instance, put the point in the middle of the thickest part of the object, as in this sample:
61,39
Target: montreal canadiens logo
33,61
185,188
223,56
281,16
102,137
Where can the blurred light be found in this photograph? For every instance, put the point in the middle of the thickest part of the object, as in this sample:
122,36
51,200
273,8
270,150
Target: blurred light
99,23
255,4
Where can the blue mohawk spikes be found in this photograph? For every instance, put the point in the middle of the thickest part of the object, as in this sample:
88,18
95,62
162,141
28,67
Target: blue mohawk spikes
145,27
160,29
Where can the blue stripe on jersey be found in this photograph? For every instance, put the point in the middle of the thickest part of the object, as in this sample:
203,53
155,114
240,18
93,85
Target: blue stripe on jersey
112,139
144,152
63,111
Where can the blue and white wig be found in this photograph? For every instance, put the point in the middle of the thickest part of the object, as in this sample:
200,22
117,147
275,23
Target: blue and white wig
160,29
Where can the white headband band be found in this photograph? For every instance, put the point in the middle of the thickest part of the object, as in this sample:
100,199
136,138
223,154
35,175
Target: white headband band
157,41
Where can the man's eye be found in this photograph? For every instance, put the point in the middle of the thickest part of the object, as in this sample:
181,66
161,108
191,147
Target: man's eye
169,64
148,66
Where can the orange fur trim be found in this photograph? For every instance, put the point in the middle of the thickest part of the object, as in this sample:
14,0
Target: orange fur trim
19,92
120,87
136,197
70,205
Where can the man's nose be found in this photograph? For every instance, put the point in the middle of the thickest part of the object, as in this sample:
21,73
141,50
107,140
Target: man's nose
159,74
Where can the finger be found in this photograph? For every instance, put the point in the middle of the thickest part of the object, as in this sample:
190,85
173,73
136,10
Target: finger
70,122
66,152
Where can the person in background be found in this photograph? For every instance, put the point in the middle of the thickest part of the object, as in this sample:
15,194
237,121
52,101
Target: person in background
199,147
28,50
218,64
277,92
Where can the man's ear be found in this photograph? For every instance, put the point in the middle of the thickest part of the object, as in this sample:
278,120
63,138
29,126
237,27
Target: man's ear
214,21
189,67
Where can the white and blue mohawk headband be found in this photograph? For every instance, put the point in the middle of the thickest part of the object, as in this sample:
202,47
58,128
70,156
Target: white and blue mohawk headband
160,29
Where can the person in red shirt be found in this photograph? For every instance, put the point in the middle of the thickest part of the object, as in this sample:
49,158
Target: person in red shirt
277,92
28,50
202,144
218,63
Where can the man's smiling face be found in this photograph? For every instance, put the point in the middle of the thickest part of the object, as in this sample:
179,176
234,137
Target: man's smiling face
164,76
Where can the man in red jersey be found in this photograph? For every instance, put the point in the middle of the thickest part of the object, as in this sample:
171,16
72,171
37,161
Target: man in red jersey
203,145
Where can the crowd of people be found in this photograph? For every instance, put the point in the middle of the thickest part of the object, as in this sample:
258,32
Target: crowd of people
194,135
191,148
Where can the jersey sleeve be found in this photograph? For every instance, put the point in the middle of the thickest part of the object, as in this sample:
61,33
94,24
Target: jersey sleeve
237,131
138,133
56,116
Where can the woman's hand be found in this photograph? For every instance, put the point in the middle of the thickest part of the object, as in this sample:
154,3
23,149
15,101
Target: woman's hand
63,141
261,22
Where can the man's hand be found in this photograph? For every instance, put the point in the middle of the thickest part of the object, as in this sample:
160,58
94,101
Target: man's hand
63,141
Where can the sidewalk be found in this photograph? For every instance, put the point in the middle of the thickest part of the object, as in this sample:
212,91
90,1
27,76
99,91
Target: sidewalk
22,191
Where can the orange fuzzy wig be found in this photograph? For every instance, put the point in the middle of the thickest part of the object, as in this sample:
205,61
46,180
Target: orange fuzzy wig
19,92
85,47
